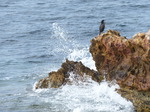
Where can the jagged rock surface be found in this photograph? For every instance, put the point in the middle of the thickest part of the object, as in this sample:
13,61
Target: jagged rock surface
140,99
57,79
128,62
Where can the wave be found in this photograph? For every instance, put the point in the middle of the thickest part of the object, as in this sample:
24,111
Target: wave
85,96
40,56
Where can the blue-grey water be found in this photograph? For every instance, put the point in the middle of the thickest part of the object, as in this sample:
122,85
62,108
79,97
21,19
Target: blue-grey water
36,36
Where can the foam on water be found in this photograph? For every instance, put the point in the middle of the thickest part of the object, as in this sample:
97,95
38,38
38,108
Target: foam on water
86,96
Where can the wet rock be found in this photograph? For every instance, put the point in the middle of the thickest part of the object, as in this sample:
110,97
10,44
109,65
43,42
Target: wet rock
128,62
61,77
125,60
140,99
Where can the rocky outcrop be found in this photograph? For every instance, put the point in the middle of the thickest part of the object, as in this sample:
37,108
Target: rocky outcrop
116,58
125,60
61,77
128,62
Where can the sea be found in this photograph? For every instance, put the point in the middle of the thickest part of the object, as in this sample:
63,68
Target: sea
37,36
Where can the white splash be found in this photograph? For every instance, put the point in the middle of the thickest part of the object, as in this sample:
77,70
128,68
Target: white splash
86,96
59,32
148,34
83,56
64,44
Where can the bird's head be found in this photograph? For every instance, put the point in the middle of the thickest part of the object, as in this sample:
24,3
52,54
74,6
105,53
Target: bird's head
102,21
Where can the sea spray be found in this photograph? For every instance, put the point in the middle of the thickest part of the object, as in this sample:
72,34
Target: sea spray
66,45
62,39
85,95
82,55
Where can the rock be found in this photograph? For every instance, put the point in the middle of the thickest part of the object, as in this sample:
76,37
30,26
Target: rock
125,60
128,62
57,79
140,99
148,35
116,58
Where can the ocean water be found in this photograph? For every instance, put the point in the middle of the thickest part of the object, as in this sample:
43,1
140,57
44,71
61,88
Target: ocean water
36,36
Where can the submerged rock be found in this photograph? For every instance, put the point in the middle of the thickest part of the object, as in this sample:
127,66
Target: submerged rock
57,79
128,62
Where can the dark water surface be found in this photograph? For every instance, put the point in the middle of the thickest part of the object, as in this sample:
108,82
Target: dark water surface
37,35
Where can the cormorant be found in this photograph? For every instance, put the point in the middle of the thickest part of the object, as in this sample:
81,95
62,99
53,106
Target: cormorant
101,27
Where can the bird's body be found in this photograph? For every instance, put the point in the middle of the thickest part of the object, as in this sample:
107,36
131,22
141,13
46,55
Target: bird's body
101,27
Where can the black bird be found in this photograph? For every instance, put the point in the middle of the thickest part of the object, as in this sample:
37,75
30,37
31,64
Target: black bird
101,27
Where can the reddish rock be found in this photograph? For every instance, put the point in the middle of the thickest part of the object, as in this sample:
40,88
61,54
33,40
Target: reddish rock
125,60
128,62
